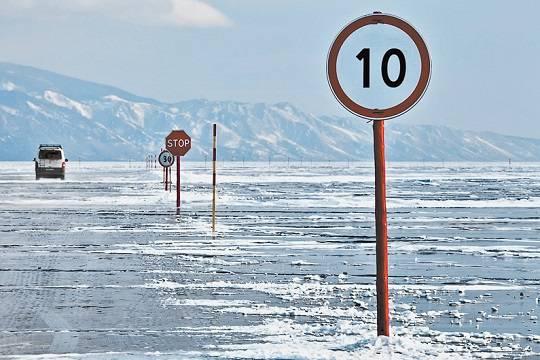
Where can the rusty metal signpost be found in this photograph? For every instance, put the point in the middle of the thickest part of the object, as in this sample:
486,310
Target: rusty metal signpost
178,144
398,89
166,160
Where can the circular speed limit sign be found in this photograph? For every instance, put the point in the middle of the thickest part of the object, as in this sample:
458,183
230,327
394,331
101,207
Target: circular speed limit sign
165,158
378,66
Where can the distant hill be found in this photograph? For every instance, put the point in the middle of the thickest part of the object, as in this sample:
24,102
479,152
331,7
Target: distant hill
99,122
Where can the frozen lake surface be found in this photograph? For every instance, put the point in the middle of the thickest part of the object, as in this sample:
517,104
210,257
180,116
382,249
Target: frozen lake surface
101,266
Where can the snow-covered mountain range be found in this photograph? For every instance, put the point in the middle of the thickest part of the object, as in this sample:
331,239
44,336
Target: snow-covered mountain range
99,122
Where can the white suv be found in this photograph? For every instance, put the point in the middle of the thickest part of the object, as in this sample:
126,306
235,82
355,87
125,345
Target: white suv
50,162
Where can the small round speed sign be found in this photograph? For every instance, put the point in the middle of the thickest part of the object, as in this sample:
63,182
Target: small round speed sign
166,159
378,66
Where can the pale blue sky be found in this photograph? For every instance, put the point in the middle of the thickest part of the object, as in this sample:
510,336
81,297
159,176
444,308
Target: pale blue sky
485,54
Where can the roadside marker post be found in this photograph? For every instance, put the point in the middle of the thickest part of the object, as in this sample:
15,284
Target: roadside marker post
178,184
166,160
165,179
214,155
162,168
178,143
170,180
381,230
349,76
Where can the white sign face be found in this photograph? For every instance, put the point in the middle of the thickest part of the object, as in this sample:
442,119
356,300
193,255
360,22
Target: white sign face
378,66
166,159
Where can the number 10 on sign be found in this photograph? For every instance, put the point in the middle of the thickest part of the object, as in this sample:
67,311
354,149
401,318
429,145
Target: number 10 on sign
364,56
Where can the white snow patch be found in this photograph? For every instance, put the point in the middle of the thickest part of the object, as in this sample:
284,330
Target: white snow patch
502,151
8,86
205,302
65,102
135,111
37,109
114,98
302,263
270,138
345,339
9,110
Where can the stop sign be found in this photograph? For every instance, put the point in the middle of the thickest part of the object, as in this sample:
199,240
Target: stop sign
178,142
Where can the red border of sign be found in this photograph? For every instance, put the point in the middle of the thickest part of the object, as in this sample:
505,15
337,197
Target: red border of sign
396,110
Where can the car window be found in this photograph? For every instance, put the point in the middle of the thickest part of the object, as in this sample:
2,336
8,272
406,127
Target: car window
50,154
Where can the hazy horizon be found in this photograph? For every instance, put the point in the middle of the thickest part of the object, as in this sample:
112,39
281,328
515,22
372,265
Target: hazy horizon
390,122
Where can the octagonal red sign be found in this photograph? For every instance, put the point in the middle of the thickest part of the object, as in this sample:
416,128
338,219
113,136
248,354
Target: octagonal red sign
178,142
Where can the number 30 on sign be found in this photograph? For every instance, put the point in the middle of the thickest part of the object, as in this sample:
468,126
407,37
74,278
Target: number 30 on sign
166,159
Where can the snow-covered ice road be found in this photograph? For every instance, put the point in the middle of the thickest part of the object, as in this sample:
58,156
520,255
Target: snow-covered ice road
101,266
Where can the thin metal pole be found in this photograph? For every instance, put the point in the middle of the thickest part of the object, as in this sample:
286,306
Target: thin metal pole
383,319
170,179
166,173
214,131
178,182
